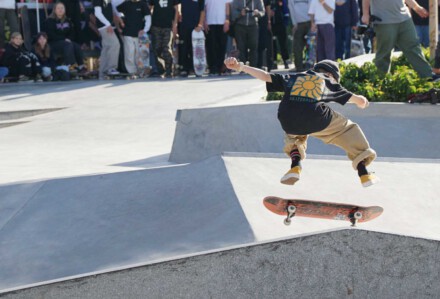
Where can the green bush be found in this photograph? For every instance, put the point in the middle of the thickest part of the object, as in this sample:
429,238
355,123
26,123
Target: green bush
376,87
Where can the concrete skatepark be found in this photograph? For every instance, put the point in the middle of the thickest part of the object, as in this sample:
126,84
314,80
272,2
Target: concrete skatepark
153,189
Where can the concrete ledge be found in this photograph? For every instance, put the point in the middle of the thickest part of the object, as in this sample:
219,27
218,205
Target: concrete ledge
10,115
201,133
338,264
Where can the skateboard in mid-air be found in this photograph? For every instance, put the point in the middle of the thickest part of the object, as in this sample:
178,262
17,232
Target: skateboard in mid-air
320,209
199,53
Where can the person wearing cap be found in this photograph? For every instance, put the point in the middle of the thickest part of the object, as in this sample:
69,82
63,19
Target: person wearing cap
303,111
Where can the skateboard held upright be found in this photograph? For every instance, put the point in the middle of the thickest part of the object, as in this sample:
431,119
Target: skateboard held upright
311,50
320,209
143,57
25,27
199,54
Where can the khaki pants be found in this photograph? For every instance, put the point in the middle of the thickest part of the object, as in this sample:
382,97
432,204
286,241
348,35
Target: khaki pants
341,132
131,47
109,52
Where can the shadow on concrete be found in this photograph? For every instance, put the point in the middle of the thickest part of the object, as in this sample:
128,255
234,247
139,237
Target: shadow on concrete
65,227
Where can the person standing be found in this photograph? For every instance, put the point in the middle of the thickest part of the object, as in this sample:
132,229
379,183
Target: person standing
137,22
163,26
108,61
245,14
422,24
322,18
397,29
279,20
216,35
299,14
265,37
192,14
7,14
346,19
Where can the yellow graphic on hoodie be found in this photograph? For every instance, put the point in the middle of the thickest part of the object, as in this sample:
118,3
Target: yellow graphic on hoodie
308,86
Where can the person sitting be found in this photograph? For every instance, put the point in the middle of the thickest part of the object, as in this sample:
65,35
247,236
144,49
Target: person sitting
60,32
21,63
41,49
3,73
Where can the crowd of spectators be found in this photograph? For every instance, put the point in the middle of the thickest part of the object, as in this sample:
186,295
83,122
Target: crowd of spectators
255,31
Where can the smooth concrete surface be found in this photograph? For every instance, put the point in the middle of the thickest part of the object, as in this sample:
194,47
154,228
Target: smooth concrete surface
393,130
90,187
78,225
340,264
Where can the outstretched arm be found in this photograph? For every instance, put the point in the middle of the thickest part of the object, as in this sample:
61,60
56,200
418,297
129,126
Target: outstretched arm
233,64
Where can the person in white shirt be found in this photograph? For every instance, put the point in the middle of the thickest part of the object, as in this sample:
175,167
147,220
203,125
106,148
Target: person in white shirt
105,12
216,37
7,13
322,18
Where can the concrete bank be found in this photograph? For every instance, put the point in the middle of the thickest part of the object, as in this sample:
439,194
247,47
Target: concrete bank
201,133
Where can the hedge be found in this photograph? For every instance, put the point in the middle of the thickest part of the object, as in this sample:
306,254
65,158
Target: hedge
377,87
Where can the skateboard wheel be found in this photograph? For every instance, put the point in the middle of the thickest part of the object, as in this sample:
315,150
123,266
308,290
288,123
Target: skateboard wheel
287,221
291,209
357,215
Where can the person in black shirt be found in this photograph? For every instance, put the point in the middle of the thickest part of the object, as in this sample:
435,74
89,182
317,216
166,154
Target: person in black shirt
192,18
61,33
42,50
163,26
21,63
303,111
137,22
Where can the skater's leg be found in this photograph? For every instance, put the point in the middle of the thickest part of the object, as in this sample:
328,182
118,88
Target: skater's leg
295,147
347,135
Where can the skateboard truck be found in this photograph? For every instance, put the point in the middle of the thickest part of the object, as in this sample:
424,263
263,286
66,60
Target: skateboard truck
291,210
355,217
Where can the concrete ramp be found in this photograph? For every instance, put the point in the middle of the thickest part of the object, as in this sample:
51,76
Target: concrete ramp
393,130
71,226
338,264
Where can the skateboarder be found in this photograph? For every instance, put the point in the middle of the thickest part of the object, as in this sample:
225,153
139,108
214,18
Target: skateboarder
303,111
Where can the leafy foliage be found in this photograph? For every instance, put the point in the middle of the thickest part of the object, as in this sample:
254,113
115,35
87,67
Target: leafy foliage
366,80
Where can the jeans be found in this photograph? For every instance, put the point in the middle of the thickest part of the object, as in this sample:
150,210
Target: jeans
343,42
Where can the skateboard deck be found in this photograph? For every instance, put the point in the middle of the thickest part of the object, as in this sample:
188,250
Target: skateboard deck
199,54
311,50
25,27
143,59
320,209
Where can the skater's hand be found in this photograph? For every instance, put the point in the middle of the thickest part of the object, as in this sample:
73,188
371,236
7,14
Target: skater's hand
360,101
232,63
